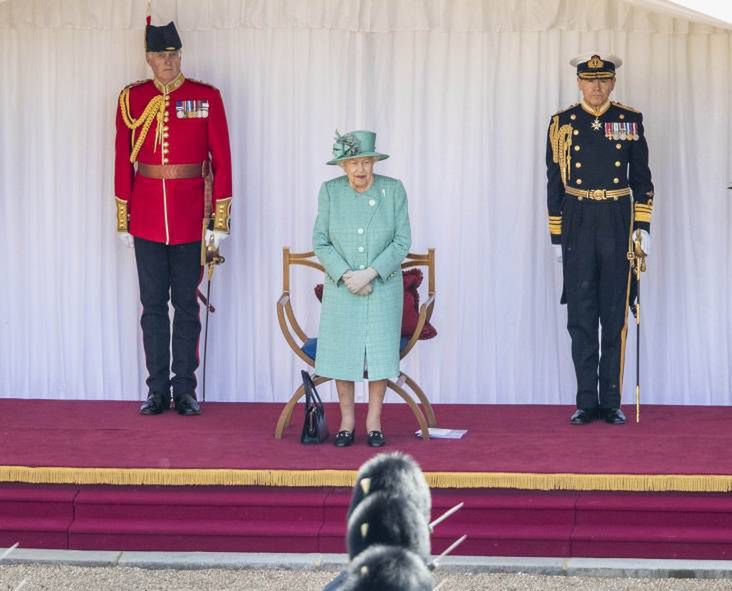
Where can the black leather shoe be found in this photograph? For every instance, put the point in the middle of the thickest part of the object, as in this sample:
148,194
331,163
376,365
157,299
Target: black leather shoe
614,416
187,405
344,438
155,404
376,439
582,416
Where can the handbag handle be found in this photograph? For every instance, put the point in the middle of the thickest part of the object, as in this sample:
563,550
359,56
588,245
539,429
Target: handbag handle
310,391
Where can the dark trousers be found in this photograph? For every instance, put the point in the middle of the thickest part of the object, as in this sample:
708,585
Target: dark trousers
595,238
169,273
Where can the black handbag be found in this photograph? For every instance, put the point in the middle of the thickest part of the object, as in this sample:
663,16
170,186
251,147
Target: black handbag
315,428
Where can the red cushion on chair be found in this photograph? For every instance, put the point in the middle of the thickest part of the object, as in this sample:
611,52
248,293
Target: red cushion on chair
410,316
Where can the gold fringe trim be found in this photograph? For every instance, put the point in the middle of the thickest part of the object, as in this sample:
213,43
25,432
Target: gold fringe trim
346,478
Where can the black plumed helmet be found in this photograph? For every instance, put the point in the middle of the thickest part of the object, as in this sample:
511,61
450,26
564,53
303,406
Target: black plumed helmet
385,519
396,474
387,568
163,38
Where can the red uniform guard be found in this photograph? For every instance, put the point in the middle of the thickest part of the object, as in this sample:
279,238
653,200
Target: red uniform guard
172,183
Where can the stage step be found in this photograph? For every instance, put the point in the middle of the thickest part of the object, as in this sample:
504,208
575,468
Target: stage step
36,517
236,519
253,519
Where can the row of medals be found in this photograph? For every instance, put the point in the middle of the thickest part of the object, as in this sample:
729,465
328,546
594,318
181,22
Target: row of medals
618,131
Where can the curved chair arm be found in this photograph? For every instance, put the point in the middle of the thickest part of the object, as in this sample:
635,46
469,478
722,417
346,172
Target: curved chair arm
425,313
284,310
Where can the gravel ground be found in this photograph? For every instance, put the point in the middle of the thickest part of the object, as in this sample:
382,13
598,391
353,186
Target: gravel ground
73,578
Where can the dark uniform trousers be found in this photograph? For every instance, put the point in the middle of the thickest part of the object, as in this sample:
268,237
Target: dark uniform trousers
170,272
595,236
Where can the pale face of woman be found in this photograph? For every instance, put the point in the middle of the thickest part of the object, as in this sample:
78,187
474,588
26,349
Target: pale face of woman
360,172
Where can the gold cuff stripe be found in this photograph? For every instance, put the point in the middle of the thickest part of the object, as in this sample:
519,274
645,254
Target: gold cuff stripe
643,217
222,214
122,216
640,207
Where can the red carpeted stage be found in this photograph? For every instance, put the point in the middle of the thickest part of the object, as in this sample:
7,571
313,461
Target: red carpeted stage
96,475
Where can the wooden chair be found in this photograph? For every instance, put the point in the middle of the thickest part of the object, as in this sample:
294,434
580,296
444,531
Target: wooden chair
295,336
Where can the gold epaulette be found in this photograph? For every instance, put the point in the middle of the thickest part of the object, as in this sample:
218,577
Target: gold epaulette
626,107
201,82
137,83
569,108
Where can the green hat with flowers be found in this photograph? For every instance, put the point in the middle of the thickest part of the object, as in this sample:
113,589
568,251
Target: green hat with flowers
355,144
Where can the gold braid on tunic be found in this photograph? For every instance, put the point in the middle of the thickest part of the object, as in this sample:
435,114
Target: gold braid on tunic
154,110
561,141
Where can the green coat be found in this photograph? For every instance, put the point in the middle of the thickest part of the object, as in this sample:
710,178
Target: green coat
354,231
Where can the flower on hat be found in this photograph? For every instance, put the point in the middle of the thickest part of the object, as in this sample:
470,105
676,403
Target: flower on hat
346,145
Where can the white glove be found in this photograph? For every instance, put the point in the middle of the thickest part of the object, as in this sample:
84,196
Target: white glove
364,291
557,252
217,236
356,280
126,239
645,240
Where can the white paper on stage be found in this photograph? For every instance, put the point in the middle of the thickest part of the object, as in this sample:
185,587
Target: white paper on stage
437,433
460,93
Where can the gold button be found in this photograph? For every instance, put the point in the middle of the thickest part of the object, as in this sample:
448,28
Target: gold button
576,132
578,181
165,133
616,180
165,160
573,116
578,165
617,163
618,146
576,148
622,116
165,144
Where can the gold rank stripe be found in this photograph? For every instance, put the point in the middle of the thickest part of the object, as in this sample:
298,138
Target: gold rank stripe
642,207
643,217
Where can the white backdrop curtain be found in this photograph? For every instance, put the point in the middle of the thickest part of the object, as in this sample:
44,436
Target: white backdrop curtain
460,93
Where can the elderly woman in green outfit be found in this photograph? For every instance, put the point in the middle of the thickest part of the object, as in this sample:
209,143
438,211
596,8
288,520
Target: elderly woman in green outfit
361,236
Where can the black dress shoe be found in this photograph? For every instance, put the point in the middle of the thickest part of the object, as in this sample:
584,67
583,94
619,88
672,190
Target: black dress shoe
614,416
582,416
376,439
155,404
187,405
344,438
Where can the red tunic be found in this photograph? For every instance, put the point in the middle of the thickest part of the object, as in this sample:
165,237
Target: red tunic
194,130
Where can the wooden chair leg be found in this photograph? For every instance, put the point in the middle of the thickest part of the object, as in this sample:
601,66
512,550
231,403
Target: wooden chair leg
426,405
415,409
286,415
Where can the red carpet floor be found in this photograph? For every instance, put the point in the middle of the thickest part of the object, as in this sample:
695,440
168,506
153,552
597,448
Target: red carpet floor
676,460
691,442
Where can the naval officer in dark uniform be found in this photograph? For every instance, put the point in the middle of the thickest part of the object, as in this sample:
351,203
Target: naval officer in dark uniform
599,195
